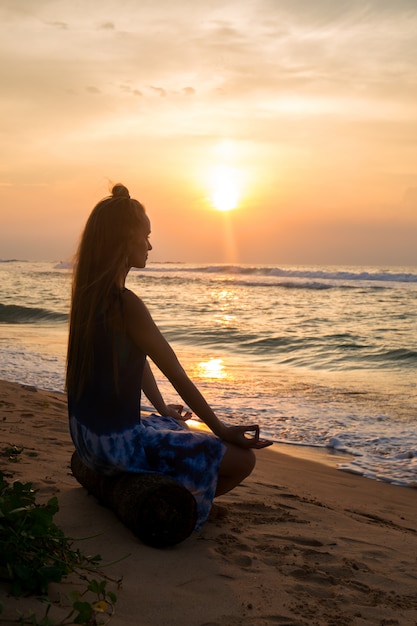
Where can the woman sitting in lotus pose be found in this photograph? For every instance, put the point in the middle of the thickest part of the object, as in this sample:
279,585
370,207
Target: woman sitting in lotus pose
111,335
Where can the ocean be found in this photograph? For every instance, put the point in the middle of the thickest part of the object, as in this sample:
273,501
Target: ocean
323,358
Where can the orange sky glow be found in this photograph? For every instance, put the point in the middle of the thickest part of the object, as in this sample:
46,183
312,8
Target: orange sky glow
269,131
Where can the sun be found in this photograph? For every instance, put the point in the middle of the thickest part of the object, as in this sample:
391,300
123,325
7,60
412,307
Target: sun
225,188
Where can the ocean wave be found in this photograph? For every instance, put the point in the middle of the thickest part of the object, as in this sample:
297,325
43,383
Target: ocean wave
242,281
338,275
15,314
314,278
64,265
395,356
347,357
319,352
308,276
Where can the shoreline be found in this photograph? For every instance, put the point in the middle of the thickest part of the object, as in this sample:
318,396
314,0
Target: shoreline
326,456
302,544
366,414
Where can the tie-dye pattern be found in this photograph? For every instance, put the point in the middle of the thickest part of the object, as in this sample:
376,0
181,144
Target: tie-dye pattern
156,444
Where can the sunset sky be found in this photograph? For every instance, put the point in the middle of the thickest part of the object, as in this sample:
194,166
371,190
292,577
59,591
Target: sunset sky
300,115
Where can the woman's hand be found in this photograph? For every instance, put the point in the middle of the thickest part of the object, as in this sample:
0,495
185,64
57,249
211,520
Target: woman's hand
177,412
241,436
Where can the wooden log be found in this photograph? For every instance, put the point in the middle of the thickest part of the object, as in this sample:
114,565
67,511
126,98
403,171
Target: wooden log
156,508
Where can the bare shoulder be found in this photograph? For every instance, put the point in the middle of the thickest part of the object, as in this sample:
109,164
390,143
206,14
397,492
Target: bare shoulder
134,307
132,303
130,298
141,327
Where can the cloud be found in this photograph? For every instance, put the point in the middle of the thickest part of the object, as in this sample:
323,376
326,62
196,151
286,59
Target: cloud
280,65
60,25
159,90
310,49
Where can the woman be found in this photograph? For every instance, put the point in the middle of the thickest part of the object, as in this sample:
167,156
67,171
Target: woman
111,334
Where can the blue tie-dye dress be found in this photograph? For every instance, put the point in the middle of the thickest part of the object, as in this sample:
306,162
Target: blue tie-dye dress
110,436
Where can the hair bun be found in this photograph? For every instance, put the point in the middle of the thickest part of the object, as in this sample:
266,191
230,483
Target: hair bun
120,191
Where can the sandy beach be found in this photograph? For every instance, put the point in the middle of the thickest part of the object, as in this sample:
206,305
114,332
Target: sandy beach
302,543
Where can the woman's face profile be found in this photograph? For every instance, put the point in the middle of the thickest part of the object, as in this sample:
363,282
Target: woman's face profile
139,244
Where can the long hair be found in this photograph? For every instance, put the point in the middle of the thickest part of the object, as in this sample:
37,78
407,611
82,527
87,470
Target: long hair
100,261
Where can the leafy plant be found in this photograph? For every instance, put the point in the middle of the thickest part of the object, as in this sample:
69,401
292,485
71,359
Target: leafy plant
35,552
12,453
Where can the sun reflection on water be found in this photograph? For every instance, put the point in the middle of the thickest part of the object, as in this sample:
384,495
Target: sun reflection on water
226,299
212,369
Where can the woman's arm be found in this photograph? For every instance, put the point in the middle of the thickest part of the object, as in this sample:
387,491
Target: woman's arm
148,337
152,392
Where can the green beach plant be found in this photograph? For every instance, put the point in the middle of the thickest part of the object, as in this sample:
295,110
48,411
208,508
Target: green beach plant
34,552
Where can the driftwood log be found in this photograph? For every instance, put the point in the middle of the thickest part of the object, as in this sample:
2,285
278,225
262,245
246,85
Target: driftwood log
156,508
